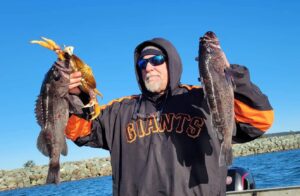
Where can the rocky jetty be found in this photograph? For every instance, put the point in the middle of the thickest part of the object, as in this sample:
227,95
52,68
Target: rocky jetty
36,175
268,143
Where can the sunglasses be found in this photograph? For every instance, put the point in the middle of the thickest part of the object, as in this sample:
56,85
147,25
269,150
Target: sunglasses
155,61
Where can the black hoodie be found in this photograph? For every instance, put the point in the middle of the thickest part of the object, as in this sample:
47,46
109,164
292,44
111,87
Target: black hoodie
165,145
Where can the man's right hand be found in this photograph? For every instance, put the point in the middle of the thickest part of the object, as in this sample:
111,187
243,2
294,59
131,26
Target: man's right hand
75,82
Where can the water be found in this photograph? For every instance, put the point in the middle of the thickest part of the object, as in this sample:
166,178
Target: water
101,186
277,169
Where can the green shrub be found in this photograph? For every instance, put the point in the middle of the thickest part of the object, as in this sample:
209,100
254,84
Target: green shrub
29,163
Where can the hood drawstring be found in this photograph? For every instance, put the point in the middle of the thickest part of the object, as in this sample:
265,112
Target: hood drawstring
137,108
157,114
162,107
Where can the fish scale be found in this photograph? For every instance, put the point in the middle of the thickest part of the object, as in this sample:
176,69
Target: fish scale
218,89
52,113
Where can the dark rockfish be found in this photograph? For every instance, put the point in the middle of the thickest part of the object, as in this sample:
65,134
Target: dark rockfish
218,89
52,113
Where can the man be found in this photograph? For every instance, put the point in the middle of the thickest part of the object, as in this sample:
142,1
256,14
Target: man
161,141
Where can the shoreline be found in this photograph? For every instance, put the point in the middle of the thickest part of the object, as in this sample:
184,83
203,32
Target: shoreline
96,167
267,144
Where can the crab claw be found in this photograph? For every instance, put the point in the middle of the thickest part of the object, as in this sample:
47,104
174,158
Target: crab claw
92,103
97,111
96,108
42,43
51,45
47,43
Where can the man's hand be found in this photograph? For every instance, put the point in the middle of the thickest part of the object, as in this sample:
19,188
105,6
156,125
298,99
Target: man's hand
75,82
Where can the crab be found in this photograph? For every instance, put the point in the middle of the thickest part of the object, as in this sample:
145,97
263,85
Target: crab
88,83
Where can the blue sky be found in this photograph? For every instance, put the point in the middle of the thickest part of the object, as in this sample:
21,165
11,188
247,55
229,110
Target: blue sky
263,35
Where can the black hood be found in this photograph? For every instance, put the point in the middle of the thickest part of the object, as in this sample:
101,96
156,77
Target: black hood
173,62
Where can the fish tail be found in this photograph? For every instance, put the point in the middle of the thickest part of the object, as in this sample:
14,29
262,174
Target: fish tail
225,157
64,150
53,173
42,144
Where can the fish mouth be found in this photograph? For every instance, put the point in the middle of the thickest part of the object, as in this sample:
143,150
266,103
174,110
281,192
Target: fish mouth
209,37
210,40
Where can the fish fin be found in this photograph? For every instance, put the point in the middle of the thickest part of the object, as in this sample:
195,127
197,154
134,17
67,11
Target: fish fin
53,174
64,150
234,130
42,144
39,111
229,77
225,157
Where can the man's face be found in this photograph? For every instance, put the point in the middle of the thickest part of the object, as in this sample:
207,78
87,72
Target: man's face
155,77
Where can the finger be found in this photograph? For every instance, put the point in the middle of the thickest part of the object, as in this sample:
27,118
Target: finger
76,74
74,85
75,91
75,80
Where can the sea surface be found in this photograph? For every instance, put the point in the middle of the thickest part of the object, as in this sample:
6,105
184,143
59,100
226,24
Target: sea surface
278,169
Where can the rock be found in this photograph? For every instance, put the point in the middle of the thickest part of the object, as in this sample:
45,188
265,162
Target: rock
36,175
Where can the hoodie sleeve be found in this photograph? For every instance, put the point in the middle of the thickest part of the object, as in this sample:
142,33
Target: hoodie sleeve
94,133
253,113
100,132
87,133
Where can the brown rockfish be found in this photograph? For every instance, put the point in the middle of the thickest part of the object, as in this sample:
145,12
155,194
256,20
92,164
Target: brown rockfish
218,88
52,113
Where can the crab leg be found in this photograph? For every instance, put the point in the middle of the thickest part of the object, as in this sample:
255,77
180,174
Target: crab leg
97,111
93,103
